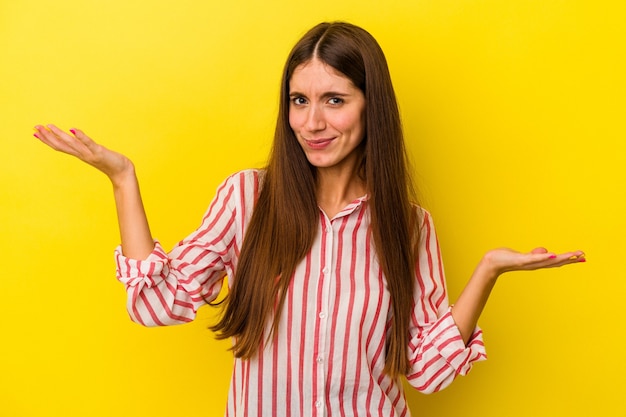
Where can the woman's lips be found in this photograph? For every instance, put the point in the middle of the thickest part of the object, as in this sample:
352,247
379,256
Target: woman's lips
318,144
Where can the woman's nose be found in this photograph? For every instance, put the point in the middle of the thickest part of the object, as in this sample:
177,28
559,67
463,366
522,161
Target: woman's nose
315,119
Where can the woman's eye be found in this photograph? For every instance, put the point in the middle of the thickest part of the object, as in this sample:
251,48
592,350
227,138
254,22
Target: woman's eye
298,101
335,100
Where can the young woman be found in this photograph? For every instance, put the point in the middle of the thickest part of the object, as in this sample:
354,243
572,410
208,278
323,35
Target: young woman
337,285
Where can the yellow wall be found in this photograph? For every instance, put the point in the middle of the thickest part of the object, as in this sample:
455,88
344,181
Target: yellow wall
514,112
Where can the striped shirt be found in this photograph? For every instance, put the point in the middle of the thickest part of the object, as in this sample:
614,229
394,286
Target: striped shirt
328,354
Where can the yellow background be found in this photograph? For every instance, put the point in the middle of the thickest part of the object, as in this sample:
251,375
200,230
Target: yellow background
514,113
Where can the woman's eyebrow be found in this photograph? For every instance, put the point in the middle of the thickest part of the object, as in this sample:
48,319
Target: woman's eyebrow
327,94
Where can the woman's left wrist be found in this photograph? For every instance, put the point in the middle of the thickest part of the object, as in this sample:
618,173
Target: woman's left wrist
487,270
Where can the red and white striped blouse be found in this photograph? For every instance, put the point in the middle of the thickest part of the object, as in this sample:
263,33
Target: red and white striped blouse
328,355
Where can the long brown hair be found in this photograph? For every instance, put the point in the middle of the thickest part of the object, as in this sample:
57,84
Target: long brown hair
284,222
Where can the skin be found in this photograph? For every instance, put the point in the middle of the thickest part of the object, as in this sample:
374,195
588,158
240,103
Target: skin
136,239
496,262
327,115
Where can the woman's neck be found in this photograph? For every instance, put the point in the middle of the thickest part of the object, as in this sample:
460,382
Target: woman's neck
336,188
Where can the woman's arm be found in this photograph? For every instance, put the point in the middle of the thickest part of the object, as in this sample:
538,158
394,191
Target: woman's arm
137,242
474,296
445,342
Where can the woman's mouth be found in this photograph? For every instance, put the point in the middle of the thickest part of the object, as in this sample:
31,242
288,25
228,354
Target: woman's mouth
318,144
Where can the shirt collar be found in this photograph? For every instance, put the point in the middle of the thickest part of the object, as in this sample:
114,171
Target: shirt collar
352,206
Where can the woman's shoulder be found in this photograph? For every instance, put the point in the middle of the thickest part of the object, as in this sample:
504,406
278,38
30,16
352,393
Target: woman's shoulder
250,176
422,216
245,184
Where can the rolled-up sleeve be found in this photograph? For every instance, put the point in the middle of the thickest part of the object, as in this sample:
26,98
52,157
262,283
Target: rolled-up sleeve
437,353
168,288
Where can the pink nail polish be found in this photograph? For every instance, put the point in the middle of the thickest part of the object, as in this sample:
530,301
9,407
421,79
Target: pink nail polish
73,131
552,256
35,135
582,260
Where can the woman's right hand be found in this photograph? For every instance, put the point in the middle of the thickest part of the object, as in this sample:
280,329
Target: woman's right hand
137,242
114,165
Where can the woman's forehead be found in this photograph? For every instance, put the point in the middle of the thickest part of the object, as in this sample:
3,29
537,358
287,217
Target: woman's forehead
319,76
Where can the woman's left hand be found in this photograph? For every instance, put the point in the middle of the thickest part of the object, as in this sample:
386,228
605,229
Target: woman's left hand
504,260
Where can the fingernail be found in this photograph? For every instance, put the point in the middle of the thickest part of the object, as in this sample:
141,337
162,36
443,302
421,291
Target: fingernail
73,131
582,260
35,135
552,256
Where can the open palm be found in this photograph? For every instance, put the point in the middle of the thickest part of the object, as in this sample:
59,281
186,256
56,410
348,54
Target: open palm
504,260
79,145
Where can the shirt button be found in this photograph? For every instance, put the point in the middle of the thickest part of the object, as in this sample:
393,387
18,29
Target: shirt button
319,359
322,315
328,229
318,403
326,271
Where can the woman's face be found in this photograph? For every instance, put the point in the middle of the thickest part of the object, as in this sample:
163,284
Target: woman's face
327,114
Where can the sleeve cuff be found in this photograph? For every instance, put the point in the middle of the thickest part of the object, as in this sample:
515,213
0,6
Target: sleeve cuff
149,271
446,338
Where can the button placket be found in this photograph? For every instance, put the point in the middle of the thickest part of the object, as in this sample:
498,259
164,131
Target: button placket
325,277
